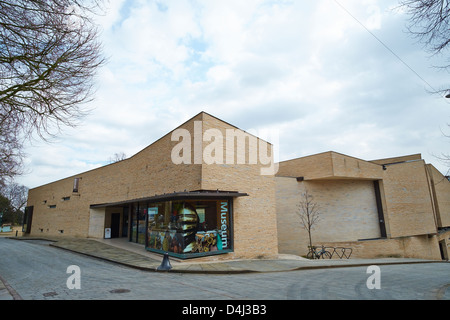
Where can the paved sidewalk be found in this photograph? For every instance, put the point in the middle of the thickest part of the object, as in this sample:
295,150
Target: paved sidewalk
4,292
135,256
7,292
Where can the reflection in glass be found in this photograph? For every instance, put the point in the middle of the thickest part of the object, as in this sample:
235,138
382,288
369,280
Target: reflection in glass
133,218
189,227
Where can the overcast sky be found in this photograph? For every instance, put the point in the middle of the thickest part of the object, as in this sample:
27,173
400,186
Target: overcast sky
311,69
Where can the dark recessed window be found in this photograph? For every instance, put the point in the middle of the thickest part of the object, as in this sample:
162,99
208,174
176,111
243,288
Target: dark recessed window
75,184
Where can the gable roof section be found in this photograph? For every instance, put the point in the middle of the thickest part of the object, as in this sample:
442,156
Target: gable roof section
412,157
330,165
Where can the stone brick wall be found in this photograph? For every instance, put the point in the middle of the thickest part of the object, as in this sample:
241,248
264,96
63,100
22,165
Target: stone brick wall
150,172
347,209
441,193
414,205
420,247
415,197
408,199
145,174
254,219
330,165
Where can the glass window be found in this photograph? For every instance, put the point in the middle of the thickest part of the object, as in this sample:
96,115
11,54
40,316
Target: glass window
141,215
138,222
76,183
187,227
134,223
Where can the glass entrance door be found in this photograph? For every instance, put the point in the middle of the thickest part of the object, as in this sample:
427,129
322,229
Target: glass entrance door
27,218
134,223
125,221
138,221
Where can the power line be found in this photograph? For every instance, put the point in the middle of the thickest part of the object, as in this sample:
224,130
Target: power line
384,45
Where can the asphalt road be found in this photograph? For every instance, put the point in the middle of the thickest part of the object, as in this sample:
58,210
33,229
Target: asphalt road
37,271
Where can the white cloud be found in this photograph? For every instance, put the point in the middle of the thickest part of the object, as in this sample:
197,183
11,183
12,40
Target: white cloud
309,68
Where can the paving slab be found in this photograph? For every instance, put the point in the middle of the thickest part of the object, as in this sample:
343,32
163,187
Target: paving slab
135,256
7,292
4,293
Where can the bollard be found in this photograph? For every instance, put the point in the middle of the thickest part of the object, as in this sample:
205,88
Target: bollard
165,264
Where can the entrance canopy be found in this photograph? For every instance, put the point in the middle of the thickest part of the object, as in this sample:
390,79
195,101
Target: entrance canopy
183,224
176,196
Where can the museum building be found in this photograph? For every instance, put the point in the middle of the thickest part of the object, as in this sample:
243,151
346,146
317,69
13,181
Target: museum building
204,189
169,199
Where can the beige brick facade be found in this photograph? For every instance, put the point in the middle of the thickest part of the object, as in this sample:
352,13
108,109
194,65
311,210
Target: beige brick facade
152,171
149,172
409,202
413,201
255,225
409,197
348,212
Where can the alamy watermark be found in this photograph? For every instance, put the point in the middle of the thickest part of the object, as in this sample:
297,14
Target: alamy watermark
231,146
74,280
374,280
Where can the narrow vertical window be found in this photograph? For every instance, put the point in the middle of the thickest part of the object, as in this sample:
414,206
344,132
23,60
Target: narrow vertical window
75,184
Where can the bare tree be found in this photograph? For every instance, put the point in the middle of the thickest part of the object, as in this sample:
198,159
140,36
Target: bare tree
11,153
16,194
309,213
49,54
117,157
429,21
13,199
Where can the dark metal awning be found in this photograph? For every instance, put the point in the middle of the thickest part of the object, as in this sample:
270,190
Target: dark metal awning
199,194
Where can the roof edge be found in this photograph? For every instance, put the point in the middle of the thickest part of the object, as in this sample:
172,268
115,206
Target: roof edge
175,196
